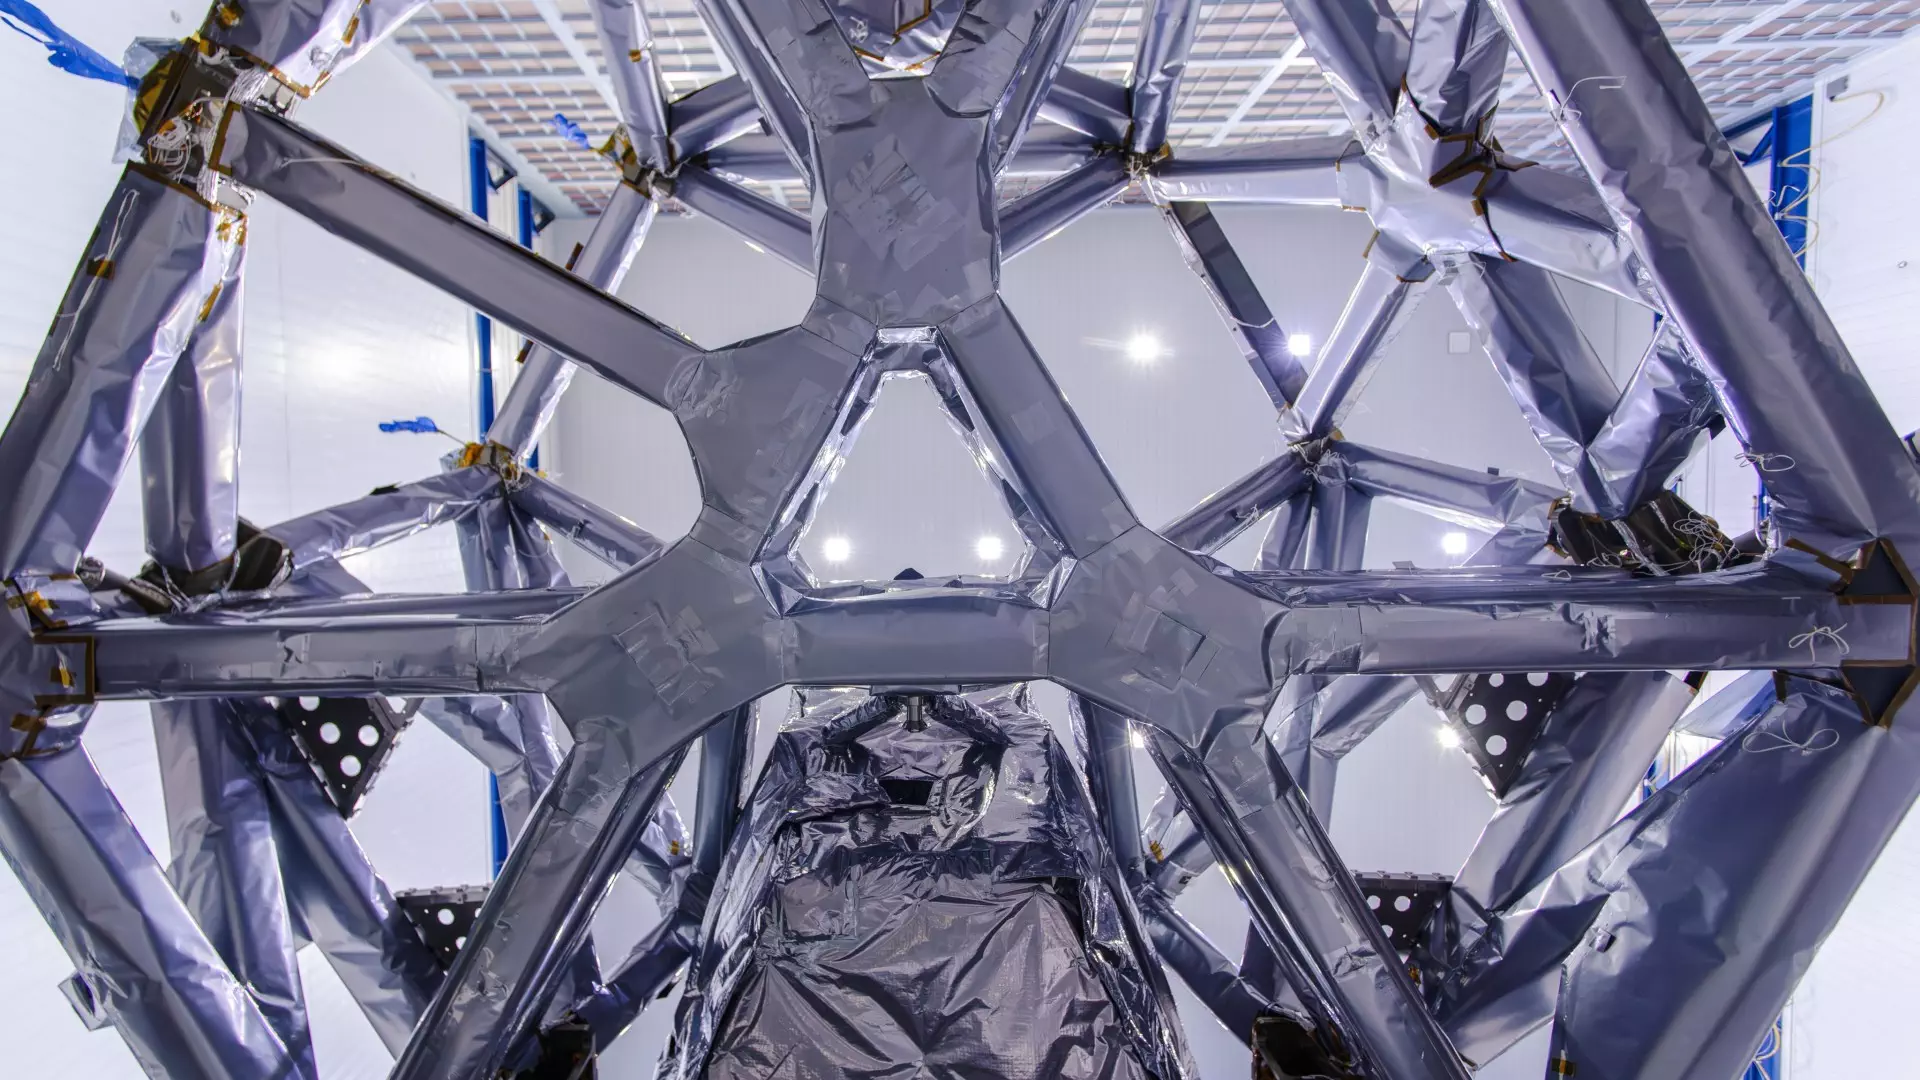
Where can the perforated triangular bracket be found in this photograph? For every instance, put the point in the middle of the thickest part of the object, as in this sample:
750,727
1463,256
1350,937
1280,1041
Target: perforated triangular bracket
347,741
444,917
1404,904
1499,717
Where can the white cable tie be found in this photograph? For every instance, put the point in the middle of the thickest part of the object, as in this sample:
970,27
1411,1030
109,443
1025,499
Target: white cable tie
1811,639
1767,463
1821,739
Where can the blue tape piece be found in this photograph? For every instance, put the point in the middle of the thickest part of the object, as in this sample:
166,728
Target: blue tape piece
64,51
571,131
419,425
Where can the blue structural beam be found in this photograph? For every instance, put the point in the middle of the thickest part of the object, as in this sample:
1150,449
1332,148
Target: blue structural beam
480,192
1792,162
527,221
1787,148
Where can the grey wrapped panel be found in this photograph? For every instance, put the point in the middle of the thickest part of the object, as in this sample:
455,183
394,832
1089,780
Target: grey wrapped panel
774,228
1682,199
1262,340
134,302
142,960
442,245
190,450
226,867
603,263
1296,172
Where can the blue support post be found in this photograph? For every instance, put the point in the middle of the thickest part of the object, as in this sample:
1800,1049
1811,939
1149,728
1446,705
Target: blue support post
480,190
480,186
524,219
1792,164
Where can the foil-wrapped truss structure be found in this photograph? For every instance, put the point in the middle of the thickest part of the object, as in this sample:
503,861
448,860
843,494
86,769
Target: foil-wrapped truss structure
1658,944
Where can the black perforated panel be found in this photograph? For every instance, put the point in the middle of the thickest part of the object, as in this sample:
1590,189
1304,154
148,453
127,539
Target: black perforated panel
348,741
1499,716
1404,904
444,917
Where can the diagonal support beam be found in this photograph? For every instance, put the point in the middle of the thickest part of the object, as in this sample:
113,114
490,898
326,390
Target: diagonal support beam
600,532
1226,513
1042,441
142,959
603,263
633,70
1472,498
765,224
1711,247
1040,214
1089,105
1166,37
190,449
716,113
392,514
133,304
1262,339
446,247
1389,289
1457,62
1362,49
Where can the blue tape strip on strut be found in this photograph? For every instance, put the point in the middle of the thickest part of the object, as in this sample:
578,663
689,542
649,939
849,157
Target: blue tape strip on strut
571,131
419,425
64,51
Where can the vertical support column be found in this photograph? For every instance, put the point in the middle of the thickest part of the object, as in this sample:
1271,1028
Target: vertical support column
479,192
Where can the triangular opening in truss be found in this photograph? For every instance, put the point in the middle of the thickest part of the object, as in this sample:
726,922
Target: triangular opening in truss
910,496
